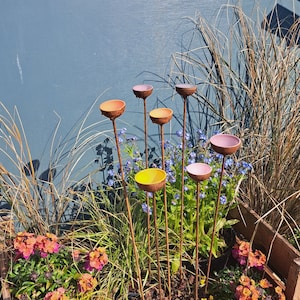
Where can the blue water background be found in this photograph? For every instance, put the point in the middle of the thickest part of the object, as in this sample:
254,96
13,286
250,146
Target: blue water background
58,56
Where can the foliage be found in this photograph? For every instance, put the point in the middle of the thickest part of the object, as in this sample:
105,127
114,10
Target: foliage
245,281
247,82
295,237
44,269
235,172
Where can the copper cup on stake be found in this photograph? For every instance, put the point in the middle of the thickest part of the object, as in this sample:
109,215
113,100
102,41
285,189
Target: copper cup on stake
183,90
198,172
143,91
225,144
112,109
162,116
152,180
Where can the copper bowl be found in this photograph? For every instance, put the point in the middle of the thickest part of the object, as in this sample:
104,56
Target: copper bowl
185,89
112,108
161,116
142,90
151,179
199,171
225,144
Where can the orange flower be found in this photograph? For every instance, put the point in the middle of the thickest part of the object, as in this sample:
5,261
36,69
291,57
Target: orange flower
279,292
255,294
244,248
58,294
264,283
24,244
242,293
86,283
257,259
97,259
245,280
47,244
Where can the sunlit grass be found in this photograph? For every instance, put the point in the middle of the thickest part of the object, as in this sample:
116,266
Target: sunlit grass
248,83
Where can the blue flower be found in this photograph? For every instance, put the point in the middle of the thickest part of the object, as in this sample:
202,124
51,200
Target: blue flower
110,172
202,195
192,158
190,145
193,154
179,133
244,167
146,209
150,195
131,138
110,182
191,161
219,156
223,199
171,178
229,163
122,131
187,136
202,157
167,144
208,160
202,136
169,162
137,159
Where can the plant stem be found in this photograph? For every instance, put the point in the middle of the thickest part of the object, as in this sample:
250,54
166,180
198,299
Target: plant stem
214,226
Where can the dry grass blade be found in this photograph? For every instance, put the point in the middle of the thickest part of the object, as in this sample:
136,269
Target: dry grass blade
248,84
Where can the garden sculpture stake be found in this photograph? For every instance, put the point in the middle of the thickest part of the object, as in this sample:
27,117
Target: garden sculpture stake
225,144
184,90
112,109
162,116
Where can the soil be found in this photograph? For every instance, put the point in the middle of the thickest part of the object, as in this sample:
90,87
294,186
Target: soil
182,289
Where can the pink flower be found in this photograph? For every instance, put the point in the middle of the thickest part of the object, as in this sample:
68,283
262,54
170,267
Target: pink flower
243,254
47,244
24,244
96,259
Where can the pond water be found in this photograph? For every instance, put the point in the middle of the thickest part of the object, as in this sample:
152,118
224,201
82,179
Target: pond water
58,56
